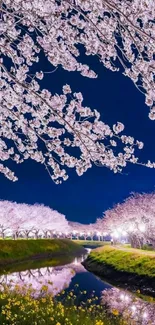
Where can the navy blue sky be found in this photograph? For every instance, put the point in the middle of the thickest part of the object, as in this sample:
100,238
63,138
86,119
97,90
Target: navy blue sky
84,198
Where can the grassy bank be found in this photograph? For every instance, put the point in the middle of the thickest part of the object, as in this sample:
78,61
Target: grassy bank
127,267
91,243
18,250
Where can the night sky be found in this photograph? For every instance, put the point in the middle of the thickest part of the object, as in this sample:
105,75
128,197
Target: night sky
85,198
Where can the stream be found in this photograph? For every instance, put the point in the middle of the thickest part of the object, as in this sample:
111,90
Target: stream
65,274
59,272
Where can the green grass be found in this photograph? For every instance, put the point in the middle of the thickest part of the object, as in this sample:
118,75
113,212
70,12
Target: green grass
91,243
126,260
146,248
18,250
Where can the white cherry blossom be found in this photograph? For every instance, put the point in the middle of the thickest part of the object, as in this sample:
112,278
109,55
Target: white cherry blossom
39,125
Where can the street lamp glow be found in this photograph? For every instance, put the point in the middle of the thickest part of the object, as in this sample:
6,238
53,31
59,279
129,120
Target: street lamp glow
142,227
131,228
115,234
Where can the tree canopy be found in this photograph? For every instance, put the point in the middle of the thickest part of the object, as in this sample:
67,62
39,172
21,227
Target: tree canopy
57,130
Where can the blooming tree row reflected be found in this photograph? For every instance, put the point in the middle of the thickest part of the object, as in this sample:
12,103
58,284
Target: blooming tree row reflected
133,309
55,279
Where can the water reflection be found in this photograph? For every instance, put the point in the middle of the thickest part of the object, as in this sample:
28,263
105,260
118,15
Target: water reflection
133,309
55,278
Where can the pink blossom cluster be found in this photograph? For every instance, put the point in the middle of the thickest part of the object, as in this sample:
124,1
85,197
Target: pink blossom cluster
133,309
134,220
56,130
55,279
25,220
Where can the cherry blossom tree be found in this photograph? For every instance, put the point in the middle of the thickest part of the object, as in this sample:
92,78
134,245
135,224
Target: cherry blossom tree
18,220
85,231
46,127
133,219
4,226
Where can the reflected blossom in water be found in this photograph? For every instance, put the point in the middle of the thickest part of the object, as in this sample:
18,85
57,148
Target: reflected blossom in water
55,278
132,308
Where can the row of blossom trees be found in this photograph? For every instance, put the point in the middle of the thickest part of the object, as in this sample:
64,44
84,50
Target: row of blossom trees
134,219
85,231
39,125
30,220
23,220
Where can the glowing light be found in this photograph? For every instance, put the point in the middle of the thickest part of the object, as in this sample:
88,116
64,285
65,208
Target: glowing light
133,308
126,298
145,315
142,227
75,261
131,228
88,250
115,234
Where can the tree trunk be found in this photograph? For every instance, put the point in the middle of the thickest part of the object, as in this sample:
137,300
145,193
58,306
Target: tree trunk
51,235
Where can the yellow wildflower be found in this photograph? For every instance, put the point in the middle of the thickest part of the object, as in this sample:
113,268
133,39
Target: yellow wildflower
115,312
99,322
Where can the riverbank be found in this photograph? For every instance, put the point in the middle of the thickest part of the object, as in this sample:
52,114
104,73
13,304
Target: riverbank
15,251
91,243
130,269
